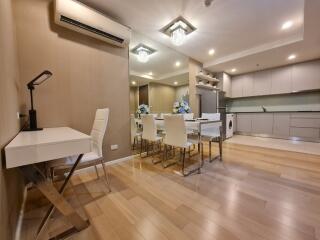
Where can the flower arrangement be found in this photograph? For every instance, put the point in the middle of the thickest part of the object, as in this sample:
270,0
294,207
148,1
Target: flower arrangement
143,109
181,107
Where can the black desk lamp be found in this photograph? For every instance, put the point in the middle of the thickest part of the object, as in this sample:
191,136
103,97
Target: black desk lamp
33,113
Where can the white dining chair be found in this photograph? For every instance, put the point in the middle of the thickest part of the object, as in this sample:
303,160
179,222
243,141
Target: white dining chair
90,159
164,114
149,136
176,136
212,133
135,133
188,116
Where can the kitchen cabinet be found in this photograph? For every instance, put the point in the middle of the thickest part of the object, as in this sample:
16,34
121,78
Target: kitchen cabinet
281,80
236,87
306,76
244,122
299,77
247,85
262,83
302,132
305,125
281,124
262,123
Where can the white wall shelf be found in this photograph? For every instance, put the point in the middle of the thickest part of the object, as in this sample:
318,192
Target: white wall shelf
203,77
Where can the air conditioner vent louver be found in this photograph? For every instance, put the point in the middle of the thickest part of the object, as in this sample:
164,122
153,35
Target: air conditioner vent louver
91,29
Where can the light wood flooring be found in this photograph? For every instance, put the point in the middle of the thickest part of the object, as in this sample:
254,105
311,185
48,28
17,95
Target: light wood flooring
255,194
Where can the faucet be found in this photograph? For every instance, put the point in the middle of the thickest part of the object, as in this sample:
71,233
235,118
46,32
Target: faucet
263,108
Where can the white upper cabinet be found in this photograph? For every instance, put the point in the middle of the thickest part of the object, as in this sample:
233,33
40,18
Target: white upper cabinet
281,80
262,83
247,87
306,76
236,87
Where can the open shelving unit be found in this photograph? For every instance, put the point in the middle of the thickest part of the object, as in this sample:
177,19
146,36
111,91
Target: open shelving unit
206,82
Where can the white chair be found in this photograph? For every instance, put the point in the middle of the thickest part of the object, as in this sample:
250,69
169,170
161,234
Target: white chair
164,114
150,136
188,116
135,133
89,159
213,133
176,136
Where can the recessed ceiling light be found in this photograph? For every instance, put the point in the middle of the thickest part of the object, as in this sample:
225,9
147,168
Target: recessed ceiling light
175,83
211,52
150,73
287,25
178,64
292,56
133,83
233,70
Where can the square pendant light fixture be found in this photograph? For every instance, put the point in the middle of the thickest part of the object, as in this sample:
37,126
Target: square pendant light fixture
143,52
178,29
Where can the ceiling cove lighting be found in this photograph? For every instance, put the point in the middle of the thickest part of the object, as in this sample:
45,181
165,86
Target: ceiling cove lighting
178,64
211,52
287,25
143,52
177,30
292,57
150,73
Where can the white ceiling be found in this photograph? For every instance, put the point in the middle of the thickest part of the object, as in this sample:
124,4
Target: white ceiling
161,63
244,33
181,79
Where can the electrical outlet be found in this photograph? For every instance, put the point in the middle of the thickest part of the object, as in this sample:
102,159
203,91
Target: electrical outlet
114,147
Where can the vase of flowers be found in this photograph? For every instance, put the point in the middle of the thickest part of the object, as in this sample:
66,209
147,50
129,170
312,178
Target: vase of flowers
181,107
143,109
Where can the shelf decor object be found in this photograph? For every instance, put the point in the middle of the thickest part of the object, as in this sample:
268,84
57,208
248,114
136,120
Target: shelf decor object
33,126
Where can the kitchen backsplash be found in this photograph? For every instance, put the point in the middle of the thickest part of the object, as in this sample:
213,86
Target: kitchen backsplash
292,102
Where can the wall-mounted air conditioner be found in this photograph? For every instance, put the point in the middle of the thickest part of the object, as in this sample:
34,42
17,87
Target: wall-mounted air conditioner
81,18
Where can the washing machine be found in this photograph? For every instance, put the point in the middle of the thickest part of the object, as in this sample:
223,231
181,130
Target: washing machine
229,125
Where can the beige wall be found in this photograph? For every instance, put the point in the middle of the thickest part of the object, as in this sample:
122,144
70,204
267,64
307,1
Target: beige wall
11,182
87,74
161,98
194,69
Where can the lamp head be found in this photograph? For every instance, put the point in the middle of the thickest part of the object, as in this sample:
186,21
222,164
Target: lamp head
39,79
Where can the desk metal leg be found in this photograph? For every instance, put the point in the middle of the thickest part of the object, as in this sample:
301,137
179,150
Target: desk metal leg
55,197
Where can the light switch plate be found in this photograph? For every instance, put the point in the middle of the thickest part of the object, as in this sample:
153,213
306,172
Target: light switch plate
114,147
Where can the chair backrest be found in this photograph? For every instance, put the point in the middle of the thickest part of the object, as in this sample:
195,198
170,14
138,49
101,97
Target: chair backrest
134,128
176,132
164,114
211,116
99,129
149,131
188,116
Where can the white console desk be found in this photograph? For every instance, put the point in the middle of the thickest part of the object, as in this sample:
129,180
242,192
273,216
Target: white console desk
28,149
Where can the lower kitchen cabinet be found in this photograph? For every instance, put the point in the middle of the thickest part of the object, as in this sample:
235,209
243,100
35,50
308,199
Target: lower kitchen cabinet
283,125
262,123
